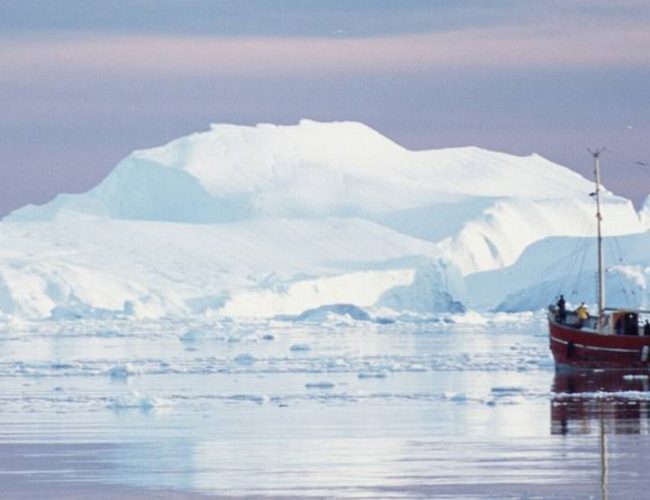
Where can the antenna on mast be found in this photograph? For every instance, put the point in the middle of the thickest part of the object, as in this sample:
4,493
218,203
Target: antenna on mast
599,219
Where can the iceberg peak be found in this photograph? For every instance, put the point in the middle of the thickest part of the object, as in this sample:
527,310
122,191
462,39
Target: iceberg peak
310,169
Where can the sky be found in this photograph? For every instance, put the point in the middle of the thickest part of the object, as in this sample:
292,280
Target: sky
85,82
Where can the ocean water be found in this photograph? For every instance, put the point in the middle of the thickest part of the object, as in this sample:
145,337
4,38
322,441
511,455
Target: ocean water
468,406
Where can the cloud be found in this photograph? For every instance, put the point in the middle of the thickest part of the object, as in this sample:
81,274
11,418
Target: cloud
551,45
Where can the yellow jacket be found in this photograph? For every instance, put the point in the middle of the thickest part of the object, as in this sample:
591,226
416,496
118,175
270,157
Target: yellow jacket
582,312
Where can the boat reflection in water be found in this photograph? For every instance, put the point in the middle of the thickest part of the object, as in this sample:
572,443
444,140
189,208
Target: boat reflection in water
593,402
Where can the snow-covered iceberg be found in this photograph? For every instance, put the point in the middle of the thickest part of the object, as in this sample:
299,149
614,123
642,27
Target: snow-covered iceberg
272,220
231,173
568,266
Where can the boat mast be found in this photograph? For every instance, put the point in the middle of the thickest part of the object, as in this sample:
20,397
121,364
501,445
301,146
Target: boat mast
599,220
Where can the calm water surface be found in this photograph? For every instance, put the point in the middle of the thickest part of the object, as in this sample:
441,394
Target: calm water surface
179,409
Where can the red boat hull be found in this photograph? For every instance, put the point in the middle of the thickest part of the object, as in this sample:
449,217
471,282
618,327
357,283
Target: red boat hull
573,348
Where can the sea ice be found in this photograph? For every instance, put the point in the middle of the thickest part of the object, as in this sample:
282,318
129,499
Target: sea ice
193,335
244,359
373,374
300,347
122,371
134,400
324,384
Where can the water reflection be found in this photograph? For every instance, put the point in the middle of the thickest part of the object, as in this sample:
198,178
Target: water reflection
600,401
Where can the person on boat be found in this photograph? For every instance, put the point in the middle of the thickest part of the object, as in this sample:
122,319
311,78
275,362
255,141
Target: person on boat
583,314
618,326
561,310
646,328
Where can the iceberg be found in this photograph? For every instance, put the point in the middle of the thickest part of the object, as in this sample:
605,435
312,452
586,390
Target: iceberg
273,220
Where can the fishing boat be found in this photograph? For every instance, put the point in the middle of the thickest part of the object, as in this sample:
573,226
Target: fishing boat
611,340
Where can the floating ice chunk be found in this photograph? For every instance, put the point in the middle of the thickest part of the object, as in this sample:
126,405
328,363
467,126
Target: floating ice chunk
122,371
456,397
134,400
253,398
300,347
193,335
507,391
324,313
373,374
324,384
129,308
107,334
60,365
633,376
468,318
337,364
514,400
506,395
244,359
415,367
505,400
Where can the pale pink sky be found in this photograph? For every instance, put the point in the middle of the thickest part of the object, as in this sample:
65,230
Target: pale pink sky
83,83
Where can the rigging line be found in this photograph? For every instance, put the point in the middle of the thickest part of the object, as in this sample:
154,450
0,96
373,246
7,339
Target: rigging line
571,260
569,264
615,249
628,300
622,261
572,264
555,264
618,249
580,268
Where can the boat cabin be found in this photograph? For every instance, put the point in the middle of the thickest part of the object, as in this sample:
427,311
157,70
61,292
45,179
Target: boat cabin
622,322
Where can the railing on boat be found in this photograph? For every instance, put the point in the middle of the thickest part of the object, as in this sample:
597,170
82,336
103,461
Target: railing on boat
611,325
